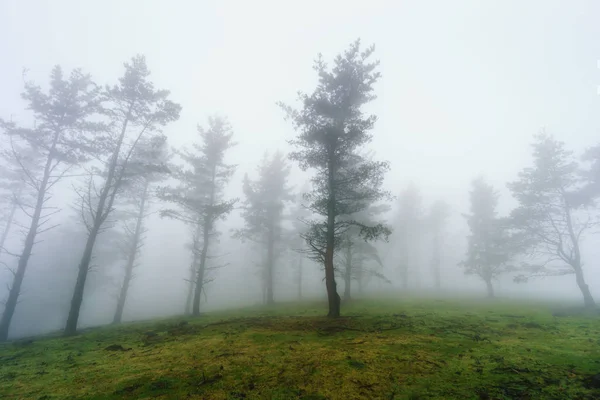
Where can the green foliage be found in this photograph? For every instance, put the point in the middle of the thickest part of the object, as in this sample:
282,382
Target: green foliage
491,247
385,349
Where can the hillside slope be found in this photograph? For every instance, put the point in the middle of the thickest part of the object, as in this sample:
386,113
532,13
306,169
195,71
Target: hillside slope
380,349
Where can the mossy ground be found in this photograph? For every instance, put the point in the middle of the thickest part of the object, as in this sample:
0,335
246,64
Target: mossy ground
380,349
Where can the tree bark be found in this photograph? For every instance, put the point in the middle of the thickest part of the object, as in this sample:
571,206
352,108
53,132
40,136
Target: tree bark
200,273
588,300
132,255
332,296
208,221
348,273
101,213
490,288
19,275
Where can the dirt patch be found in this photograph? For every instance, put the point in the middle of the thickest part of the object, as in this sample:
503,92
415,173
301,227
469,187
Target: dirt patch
116,347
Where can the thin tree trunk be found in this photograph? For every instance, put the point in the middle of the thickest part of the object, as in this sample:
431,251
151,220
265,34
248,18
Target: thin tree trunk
332,296
193,270
490,288
201,269
208,220
101,213
588,300
190,295
19,275
348,272
300,278
132,255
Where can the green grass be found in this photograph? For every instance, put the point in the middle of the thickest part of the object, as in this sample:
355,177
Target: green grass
380,349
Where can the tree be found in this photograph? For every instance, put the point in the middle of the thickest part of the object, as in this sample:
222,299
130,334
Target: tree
299,216
138,191
548,214
332,129
59,137
14,192
134,110
490,246
408,232
262,211
436,221
199,195
357,256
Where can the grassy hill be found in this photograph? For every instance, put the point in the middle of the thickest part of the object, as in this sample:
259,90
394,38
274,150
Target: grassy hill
380,349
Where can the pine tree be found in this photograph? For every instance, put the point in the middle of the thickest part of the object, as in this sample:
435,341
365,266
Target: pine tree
332,130
548,214
135,110
146,167
263,207
60,139
490,246
199,195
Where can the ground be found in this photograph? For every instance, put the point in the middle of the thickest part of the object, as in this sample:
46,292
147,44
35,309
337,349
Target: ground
380,349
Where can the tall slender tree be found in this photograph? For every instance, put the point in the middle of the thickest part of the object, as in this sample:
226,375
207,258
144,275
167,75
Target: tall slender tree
147,167
490,247
549,213
263,207
199,195
60,138
134,110
332,130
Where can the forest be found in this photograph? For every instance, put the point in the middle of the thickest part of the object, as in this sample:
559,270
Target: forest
120,243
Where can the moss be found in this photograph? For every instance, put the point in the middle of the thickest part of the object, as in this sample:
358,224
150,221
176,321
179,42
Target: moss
389,349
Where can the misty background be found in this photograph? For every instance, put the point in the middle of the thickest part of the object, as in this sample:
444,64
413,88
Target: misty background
466,84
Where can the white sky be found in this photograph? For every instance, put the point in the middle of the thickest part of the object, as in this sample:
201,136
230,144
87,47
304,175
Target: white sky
465,85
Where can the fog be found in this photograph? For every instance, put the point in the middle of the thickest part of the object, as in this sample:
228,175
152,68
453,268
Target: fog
465,86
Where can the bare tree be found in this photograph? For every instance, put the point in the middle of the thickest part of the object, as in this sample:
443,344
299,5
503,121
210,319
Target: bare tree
60,138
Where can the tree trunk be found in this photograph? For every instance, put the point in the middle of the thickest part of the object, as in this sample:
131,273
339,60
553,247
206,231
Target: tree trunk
19,275
588,300
300,278
201,269
348,272
190,295
132,255
332,296
77,299
102,211
490,288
